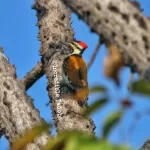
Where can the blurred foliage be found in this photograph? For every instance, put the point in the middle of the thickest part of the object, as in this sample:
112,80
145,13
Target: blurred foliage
73,140
76,140
29,136
97,88
95,106
141,87
111,121
113,63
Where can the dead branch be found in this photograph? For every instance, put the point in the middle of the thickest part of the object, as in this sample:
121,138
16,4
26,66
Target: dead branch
32,76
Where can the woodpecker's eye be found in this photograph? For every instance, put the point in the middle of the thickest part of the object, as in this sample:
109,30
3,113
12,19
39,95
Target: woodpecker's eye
78,48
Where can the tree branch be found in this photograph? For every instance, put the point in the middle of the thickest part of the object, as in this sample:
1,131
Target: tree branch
17,113
32,76
121,23
55,32
94,54
146,145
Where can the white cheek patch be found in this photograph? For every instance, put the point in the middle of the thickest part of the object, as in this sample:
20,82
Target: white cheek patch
76,50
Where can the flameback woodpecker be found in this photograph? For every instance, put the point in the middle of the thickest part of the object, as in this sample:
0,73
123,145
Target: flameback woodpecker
75,71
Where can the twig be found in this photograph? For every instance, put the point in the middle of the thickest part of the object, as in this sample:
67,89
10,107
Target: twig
97,48
130,80
32,76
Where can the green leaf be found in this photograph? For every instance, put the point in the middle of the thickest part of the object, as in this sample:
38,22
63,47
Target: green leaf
95,106
123,148
104,145
97,89
142,87
29,136
81,141
57,144
63,139
111,121
77,140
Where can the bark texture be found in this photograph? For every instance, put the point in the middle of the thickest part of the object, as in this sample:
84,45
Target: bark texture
55,32
119,22
17,113
146,145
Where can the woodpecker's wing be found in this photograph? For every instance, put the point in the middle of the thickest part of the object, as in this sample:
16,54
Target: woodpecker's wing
76,71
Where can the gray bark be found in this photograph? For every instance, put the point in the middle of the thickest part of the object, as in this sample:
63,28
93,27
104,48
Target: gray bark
119,22
54,31
146,145
17,113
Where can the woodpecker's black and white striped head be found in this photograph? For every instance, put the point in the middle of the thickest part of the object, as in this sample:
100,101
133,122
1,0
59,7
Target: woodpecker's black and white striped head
78,47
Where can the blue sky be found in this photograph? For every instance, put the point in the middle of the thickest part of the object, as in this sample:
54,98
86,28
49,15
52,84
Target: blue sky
18,37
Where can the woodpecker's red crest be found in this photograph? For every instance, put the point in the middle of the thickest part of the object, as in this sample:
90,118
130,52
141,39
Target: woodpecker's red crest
82,44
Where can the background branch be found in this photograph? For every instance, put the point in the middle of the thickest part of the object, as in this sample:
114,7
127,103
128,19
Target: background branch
121,23
94,54
32,76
